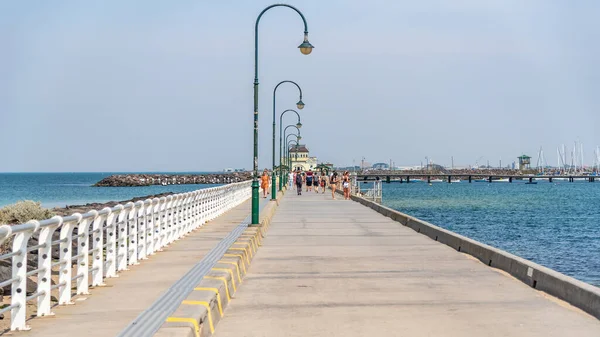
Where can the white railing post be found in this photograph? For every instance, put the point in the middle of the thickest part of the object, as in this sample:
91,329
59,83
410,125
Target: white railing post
174,222
202,206
213,204
133,232
189,218
192,211
123,238
183,214
18,313
184,222
151,224
83,249
179,217
197,220
164,229
101,223
66,252
112,231
169,220
158,225
45,268
142,226
205,206
208,197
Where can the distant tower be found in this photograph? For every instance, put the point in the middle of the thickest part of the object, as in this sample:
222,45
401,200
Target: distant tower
524,162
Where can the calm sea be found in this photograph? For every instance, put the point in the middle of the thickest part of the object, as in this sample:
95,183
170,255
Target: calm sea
554,224
60,189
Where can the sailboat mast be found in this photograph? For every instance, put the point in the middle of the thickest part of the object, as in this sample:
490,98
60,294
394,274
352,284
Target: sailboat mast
581,156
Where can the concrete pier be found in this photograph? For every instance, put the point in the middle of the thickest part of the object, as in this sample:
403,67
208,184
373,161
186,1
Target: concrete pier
337,268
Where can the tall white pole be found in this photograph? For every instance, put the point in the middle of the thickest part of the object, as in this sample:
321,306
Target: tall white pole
581,156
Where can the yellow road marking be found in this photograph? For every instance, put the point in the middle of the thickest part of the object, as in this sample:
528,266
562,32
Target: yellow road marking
250,244
218,297
245,244
224,281
236,268
258,235
204,304
259,238
241,258
230,274
253,240
247,258
186,320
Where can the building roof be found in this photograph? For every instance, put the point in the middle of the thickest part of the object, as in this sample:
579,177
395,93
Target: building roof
300,149
524,157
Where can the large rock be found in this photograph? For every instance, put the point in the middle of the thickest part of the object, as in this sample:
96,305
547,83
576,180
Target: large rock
124,180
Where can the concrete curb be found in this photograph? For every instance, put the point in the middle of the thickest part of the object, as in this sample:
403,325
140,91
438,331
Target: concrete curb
199,314
575,292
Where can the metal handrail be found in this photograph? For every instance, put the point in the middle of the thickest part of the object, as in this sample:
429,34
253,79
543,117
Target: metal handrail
114,238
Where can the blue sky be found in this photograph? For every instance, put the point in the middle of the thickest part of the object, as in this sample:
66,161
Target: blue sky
167,86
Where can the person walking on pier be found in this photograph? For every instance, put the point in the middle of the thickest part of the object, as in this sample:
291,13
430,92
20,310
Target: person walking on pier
299,180
323,182
309,180
346,185
317,182
264,183
333,183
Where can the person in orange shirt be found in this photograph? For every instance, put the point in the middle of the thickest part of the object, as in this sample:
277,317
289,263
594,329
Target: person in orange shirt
264,182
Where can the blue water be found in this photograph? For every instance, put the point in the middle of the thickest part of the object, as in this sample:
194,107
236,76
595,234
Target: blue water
60,189
556,225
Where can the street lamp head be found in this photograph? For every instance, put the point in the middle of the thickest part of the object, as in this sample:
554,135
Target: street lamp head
299,125
300,105
299,137
306,48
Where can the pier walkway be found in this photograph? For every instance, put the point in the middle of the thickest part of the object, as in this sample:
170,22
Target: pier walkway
337,268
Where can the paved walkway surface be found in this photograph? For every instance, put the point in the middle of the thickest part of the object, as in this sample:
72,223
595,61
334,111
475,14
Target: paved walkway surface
108,310
337,268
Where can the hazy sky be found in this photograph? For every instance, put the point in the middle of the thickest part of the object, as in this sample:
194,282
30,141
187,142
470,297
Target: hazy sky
167,85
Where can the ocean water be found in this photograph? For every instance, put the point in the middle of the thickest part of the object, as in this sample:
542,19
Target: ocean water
60,189
556,224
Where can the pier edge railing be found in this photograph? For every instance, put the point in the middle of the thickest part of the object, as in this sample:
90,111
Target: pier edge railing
121,236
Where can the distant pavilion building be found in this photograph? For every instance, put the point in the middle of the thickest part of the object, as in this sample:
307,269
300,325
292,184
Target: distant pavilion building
524,162
304,161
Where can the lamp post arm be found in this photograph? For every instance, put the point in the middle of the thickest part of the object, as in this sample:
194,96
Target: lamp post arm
291,126
275,90
256,33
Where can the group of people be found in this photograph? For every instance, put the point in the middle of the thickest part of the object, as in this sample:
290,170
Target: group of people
313,181
310,179
320,182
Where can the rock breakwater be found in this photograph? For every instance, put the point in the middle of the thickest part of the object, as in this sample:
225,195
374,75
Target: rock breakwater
128,180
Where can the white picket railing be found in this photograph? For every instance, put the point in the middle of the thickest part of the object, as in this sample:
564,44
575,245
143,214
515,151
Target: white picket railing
121,236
